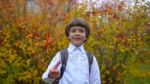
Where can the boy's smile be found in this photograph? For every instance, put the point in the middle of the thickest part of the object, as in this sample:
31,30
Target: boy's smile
77,35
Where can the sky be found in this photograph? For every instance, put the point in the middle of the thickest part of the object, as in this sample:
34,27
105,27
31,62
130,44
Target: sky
107,0
98,2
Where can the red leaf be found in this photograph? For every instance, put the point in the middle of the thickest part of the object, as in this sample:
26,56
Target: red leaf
111,68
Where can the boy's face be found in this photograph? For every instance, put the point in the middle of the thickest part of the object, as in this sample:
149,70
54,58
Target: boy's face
77,35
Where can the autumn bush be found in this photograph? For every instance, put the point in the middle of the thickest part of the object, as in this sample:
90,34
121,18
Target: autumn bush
29,39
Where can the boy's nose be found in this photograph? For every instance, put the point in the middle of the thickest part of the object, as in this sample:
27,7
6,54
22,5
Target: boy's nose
77,33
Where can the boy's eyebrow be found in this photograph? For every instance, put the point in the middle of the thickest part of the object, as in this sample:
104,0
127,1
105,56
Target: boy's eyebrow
82,29
79,29
72,29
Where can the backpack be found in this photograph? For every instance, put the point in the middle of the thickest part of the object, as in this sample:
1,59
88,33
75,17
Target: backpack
64,58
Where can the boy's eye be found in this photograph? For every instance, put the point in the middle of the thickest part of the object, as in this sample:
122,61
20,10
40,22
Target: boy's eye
82,31
73,30
77,30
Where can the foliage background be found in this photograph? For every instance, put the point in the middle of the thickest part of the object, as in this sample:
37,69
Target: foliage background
30,37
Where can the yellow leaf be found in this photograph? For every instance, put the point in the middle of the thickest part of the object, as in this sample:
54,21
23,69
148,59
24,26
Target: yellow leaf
28,61
103,67
30,48
107,72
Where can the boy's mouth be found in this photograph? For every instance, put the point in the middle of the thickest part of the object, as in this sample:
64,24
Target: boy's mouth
77,38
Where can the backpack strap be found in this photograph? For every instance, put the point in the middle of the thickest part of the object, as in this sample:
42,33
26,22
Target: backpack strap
64,57
90,59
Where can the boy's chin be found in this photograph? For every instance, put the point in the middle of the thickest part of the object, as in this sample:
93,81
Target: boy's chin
77,45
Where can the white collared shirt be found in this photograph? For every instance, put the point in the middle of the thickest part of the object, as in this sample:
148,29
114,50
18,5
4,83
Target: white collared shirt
77,69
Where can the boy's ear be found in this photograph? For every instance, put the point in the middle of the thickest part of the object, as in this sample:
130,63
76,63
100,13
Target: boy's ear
85,38
68,37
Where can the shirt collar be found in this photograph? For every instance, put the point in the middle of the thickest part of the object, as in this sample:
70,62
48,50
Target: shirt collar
72,47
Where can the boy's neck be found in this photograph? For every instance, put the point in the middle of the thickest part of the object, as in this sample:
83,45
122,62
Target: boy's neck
76,45
71,47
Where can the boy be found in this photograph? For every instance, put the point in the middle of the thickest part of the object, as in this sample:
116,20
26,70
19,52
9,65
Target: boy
77,68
